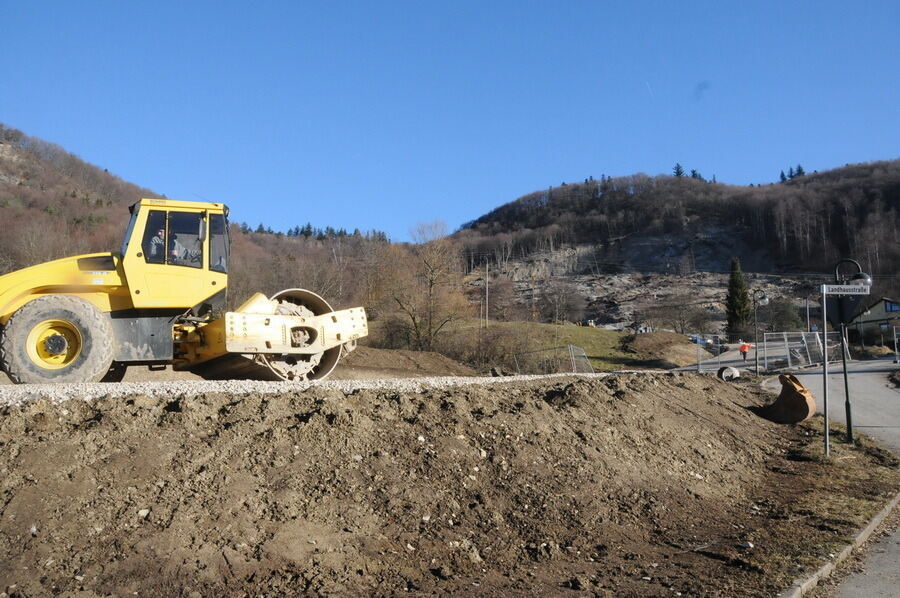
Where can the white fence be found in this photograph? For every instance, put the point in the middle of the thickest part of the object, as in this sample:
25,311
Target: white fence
777,350
797,349
712,352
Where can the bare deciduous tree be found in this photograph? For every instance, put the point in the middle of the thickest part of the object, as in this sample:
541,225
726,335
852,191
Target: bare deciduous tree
560,301
428,287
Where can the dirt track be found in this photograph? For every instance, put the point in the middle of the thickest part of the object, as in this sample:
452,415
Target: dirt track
624,485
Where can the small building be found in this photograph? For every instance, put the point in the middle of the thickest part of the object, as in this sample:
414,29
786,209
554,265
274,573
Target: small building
884,312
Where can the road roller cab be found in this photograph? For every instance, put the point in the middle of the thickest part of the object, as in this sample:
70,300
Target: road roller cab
175,254
161,300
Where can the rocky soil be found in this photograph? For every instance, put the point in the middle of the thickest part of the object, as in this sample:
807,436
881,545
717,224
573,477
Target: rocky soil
618,485
614,295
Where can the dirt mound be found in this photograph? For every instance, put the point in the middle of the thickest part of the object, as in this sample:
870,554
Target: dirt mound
368,362
624,485
662,349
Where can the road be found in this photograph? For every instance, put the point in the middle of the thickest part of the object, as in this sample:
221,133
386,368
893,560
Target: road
875,412
732,357
875,401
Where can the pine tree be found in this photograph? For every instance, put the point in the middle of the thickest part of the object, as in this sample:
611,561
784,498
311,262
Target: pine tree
678,170
782,178
737,302
799,171
791,173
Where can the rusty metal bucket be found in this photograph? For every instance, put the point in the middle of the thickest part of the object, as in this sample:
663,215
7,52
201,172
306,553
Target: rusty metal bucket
793,405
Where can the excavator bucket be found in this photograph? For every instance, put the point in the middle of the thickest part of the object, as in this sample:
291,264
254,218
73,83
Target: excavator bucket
793,405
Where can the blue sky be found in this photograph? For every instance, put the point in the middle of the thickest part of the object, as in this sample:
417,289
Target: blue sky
381,115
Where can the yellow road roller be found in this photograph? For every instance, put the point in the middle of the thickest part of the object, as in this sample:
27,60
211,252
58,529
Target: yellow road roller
161,301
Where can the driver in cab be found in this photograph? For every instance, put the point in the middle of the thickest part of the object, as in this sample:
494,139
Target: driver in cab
177,254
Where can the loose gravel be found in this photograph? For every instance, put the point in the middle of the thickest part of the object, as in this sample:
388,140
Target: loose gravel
58,393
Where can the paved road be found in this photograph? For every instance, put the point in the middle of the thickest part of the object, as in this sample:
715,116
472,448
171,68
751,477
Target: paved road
875,401
876,412
731,357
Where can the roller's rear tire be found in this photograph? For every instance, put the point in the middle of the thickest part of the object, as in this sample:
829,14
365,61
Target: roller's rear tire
56,338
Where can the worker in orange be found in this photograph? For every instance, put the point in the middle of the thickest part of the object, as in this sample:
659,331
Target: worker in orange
744,349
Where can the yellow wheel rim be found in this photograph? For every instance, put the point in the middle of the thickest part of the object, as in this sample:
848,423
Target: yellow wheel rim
54,344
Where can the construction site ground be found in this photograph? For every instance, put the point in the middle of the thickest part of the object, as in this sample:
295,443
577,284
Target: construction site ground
659,484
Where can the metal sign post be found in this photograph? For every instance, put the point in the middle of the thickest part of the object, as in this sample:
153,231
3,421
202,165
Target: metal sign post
825,366
839,290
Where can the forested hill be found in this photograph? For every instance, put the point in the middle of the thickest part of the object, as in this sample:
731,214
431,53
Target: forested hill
805,223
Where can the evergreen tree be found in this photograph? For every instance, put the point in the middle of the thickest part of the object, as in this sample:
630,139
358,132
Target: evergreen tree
791,173
799,171
782,178
261,228
737,303
678,170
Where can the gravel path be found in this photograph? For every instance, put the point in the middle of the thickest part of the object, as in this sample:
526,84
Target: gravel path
57,393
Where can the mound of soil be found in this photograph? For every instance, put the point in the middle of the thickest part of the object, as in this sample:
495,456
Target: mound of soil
622,485
664,350
369,362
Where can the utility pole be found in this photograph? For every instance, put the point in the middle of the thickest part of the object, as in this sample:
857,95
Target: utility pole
487,292
808,327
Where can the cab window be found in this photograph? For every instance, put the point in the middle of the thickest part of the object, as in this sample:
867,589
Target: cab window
154,244
184,245
218,243
129,231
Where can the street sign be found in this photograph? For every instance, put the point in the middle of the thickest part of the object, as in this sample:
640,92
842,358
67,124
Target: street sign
846,289
845,298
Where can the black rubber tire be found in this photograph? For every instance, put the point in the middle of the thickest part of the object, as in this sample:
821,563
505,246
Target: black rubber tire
116,372
90,365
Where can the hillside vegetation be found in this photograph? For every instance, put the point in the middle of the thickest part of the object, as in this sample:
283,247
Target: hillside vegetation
806,223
